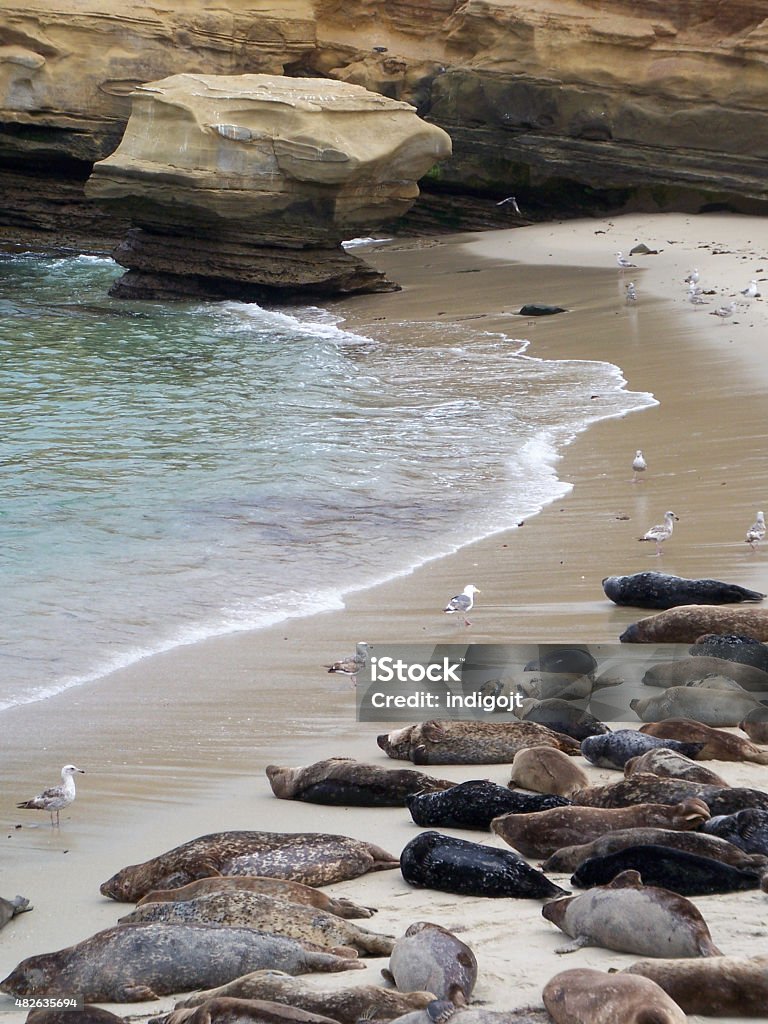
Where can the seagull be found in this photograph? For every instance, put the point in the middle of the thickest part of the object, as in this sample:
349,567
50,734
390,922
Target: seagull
639,465
756,532
751,291
693,277
511,199
693,288
57,797
724,311
661,532
622,262
462,603
631,292
352,665
695,298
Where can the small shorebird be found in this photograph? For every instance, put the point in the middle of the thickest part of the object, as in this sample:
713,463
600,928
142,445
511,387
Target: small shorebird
57,797
462,603
662,531
631,292
693,277
639,465
513,201
751,291
724,311
756,532
352,665
622,262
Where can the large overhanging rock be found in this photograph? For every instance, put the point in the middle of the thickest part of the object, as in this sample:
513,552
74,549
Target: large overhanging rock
246,185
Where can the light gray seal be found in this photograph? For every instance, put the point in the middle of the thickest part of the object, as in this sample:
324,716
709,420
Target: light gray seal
131,963
430,957
10,908
711,707
470,742
670,764
266,914
586,996
345,782
313,858
630,917
226,1010
616,748
561,716
661,590
683,671
718,745
755,725
747,829
723,986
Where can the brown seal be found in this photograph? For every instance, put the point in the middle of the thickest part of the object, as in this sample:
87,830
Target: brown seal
586,996
700,843
688,669
226,1010
313,858
630,917
670,764
641,789
542,833
88,1015
470,742
345,1005
267,914
711,707
131,963
345,782
684,625
280,888
547,770
755,725
718,745
724,986
430,957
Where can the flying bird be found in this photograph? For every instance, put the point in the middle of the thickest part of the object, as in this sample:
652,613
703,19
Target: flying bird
513,201
57,797
352,665
756,532
462,603
662,531
639,465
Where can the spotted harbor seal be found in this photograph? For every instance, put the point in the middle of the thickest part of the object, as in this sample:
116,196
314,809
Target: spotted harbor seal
647,788
747,829
547,770
541,834
724,986
755,725
568,858
430,957
131,963
743,650
671,765
661,590
718,745
586,996
474,804
677,870
685,624
435,861
10,908
711,707
561,716
346,1005
313,858
630,917
294,892
267,914
88,1015
616,748
226,1010
344,782
470,742
689,669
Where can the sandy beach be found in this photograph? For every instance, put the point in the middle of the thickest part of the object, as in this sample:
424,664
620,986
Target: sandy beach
175,746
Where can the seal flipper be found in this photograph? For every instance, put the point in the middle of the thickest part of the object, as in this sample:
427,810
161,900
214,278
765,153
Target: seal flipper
387,975
626,880
440,1010
134,994
578,943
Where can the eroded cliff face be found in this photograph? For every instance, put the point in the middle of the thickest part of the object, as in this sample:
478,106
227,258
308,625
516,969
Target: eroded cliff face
569,103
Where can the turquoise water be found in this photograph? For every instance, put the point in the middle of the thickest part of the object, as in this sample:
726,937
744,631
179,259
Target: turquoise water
173,472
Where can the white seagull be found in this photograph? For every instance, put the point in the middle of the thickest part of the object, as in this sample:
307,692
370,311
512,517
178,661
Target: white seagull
639,465
513,201
756,532
57,797
693,277
631,292
662,531
751,291
462,603
724,311
352,665
623,262
695,298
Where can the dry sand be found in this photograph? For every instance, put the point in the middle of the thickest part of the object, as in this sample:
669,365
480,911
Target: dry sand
176,745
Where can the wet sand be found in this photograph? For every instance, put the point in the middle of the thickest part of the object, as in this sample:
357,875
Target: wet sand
176,745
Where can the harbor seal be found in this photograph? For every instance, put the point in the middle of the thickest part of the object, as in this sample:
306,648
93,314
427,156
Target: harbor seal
718,745
10,908
430,957
266,914
471,1015
346,1005
629,917
747,829
639,789
88,1015
561,716
226,1010
689,669
685,624
313,858
616,748
294,892
685,873
541,834
568,858
586,996
724,986
711,707
345,782
131,963
474,804
435,861
661,590
547,770
670,765
755,725
743,650
557,658
469,742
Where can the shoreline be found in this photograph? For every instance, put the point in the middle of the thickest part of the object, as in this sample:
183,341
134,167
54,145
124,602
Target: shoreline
175,745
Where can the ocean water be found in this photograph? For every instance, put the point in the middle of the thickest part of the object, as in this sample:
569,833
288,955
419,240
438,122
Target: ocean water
175,472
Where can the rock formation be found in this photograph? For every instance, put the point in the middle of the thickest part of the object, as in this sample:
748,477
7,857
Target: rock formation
245,185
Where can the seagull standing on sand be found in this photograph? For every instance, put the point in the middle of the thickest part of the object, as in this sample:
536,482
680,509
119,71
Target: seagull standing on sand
57,797
693,277
724,311
352,665
756,532
662,531
694,298
639,465
751,291
462,603
631,292
622,262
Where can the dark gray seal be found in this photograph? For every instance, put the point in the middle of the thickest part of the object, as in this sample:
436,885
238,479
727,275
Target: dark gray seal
561,716
723,986
587,996
10,908
755,725
430,957
743,650
677,870
655,789
475,804
313,858
540,309
435,861
558,658
131,963
88,1015
747,829
614,749
345,782
685,670
470,742
661,590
